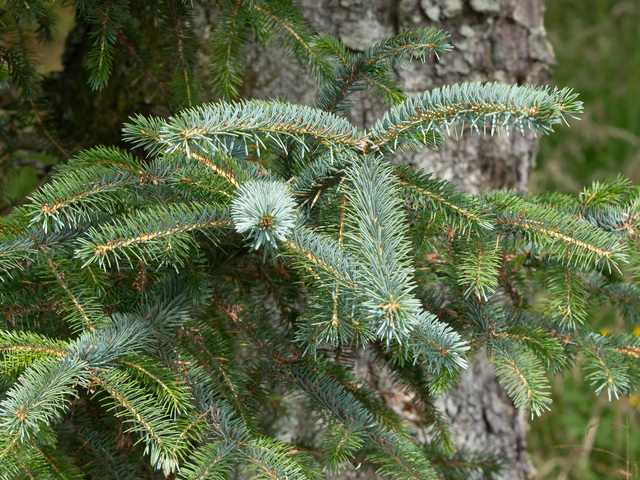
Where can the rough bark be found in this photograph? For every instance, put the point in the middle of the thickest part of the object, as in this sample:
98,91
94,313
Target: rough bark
494,40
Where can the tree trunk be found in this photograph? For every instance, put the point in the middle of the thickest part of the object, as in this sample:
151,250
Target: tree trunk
494,40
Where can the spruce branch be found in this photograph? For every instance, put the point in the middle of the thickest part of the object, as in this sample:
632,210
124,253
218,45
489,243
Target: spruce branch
607,362
521,374
574,241
404,46
125,280
101,450
41,396
84,313
158,233
140,410
376,231
211,127
213,461
108,19
372,68
424,193
20,349
421,120
296,36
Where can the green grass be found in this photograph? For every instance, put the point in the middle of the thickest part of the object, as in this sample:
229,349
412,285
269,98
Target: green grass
597,44
586,437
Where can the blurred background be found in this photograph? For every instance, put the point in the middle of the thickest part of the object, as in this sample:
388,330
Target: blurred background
597,45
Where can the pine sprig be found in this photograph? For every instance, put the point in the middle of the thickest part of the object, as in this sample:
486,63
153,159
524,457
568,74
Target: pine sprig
27,459
20,349
201,129
158,233
399,458
15,252
213,461
430,196
626,297
102,347
437,345
44,391
35,11
607,363
21,72
322,256
567,296
108,18
82,308
265,213
339,444
420,121
269,458
317,178
521,375
239,20
185,85
615,192
100,448
228,47
82,194
373,67
478,268
416,378
405,46
296,36
377,231
546,346
572,240
170,392
142,413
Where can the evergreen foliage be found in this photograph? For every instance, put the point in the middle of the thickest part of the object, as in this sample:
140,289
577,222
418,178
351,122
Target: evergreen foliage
154,306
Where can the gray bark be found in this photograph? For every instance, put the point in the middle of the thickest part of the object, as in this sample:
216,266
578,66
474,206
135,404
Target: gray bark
494,40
